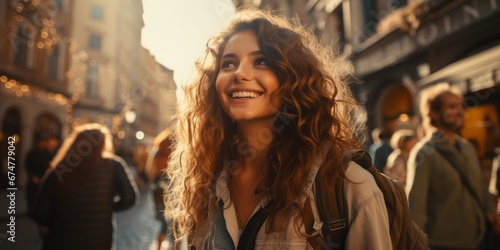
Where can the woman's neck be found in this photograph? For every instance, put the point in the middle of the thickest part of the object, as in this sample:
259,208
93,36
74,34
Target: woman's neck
253,142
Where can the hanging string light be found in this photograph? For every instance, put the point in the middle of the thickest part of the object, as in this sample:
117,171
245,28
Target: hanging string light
23,90
30,15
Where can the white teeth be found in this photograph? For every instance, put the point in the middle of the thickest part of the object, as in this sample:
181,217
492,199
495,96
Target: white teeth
245,94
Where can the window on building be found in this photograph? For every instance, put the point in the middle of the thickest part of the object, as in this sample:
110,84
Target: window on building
382,8
59,4
20,47
369,19
398,3
95,42
96,12
92,80
54,63
375,11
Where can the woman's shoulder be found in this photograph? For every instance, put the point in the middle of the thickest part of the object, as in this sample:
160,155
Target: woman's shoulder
360,184
357,174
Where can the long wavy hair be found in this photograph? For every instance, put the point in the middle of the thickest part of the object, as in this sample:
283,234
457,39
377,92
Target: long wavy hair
80,154
315,113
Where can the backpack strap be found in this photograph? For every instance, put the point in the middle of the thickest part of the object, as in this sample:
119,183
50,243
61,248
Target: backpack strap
463,176
314,239
332,209
333,213
249,234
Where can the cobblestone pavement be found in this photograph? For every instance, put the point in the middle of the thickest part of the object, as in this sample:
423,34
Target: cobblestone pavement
136,228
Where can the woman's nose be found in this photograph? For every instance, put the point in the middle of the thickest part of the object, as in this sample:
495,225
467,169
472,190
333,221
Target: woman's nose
243,73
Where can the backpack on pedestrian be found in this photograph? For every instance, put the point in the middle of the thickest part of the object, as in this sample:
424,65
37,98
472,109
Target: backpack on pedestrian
404,232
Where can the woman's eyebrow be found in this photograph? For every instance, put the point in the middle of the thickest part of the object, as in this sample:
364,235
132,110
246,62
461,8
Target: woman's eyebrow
229,55
256,53
232,55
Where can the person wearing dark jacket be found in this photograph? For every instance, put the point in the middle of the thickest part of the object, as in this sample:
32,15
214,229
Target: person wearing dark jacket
383,151
85,183
37,162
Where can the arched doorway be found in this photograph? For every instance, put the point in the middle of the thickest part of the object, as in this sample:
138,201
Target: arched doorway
11,128
396,107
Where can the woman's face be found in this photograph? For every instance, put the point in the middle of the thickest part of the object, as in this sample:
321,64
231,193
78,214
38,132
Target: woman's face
246,81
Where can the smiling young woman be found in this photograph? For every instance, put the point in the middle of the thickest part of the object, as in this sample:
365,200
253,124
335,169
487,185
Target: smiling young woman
267,115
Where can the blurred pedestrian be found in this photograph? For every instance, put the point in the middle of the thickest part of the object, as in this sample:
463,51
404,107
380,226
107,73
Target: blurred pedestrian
447,196
494,185
140,157
37,162
494,188
383,150
402,141
155,167
266,118
85,183
376,142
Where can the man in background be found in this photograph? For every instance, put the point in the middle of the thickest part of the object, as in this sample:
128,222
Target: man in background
447,195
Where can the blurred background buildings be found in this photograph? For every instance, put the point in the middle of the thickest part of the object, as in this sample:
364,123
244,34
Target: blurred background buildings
66,62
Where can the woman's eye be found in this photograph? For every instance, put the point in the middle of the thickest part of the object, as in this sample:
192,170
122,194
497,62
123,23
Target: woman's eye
227,64
261,61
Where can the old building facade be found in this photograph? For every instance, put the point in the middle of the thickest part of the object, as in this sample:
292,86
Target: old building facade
68,62
34,90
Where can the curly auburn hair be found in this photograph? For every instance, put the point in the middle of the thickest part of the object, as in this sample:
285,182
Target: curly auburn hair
315,110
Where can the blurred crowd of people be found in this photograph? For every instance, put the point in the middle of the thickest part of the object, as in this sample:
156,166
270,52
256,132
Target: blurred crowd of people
447,193
78,188
74,188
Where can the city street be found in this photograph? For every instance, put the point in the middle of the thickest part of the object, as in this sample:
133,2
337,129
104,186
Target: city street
136,228
282,91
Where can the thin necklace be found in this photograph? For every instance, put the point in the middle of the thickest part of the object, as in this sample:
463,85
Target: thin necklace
236,209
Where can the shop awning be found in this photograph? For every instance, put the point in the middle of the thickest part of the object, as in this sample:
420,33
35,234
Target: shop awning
474,73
